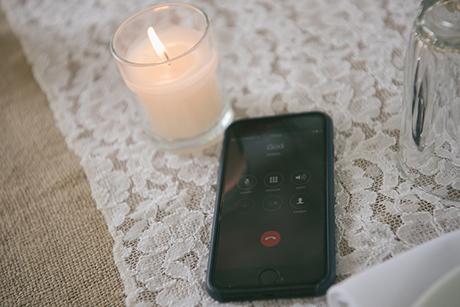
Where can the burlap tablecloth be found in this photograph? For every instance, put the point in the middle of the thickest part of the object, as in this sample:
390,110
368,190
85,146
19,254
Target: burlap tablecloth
54,245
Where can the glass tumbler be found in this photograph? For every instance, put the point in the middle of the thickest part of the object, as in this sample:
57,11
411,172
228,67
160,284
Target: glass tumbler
429,145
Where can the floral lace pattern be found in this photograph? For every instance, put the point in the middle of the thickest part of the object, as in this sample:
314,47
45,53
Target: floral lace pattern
342,57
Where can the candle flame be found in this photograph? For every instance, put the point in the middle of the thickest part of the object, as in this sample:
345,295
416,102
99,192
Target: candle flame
157,45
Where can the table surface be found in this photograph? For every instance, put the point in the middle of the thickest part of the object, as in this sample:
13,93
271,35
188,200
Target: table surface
55,248
341,57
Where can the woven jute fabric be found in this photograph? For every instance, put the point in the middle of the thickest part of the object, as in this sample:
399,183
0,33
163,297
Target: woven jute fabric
54,245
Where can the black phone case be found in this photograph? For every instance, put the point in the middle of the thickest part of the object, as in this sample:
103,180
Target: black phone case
271,292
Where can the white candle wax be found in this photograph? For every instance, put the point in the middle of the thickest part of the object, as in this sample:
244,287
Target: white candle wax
181,98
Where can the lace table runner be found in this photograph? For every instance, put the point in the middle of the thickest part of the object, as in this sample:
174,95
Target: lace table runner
342,57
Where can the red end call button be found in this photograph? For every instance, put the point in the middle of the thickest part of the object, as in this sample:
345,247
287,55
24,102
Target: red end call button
270,238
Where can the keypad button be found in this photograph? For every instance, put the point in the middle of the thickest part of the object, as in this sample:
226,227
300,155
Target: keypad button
273,179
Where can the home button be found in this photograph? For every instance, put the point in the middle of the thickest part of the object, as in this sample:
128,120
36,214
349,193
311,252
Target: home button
269,277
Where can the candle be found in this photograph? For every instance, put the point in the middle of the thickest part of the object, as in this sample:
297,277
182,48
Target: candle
172,69
182,97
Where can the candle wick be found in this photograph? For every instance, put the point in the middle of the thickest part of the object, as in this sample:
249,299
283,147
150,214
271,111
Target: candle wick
167,58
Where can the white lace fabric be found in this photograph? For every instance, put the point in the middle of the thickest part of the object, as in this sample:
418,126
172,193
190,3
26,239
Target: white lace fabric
341,57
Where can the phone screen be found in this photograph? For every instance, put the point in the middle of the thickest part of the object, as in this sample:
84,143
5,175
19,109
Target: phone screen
271,224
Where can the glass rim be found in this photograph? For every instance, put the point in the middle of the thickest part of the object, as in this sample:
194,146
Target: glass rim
122,59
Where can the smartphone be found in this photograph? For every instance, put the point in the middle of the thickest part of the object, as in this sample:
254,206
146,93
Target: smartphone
273,229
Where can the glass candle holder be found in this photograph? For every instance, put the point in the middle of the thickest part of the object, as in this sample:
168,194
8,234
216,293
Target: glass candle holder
167,57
